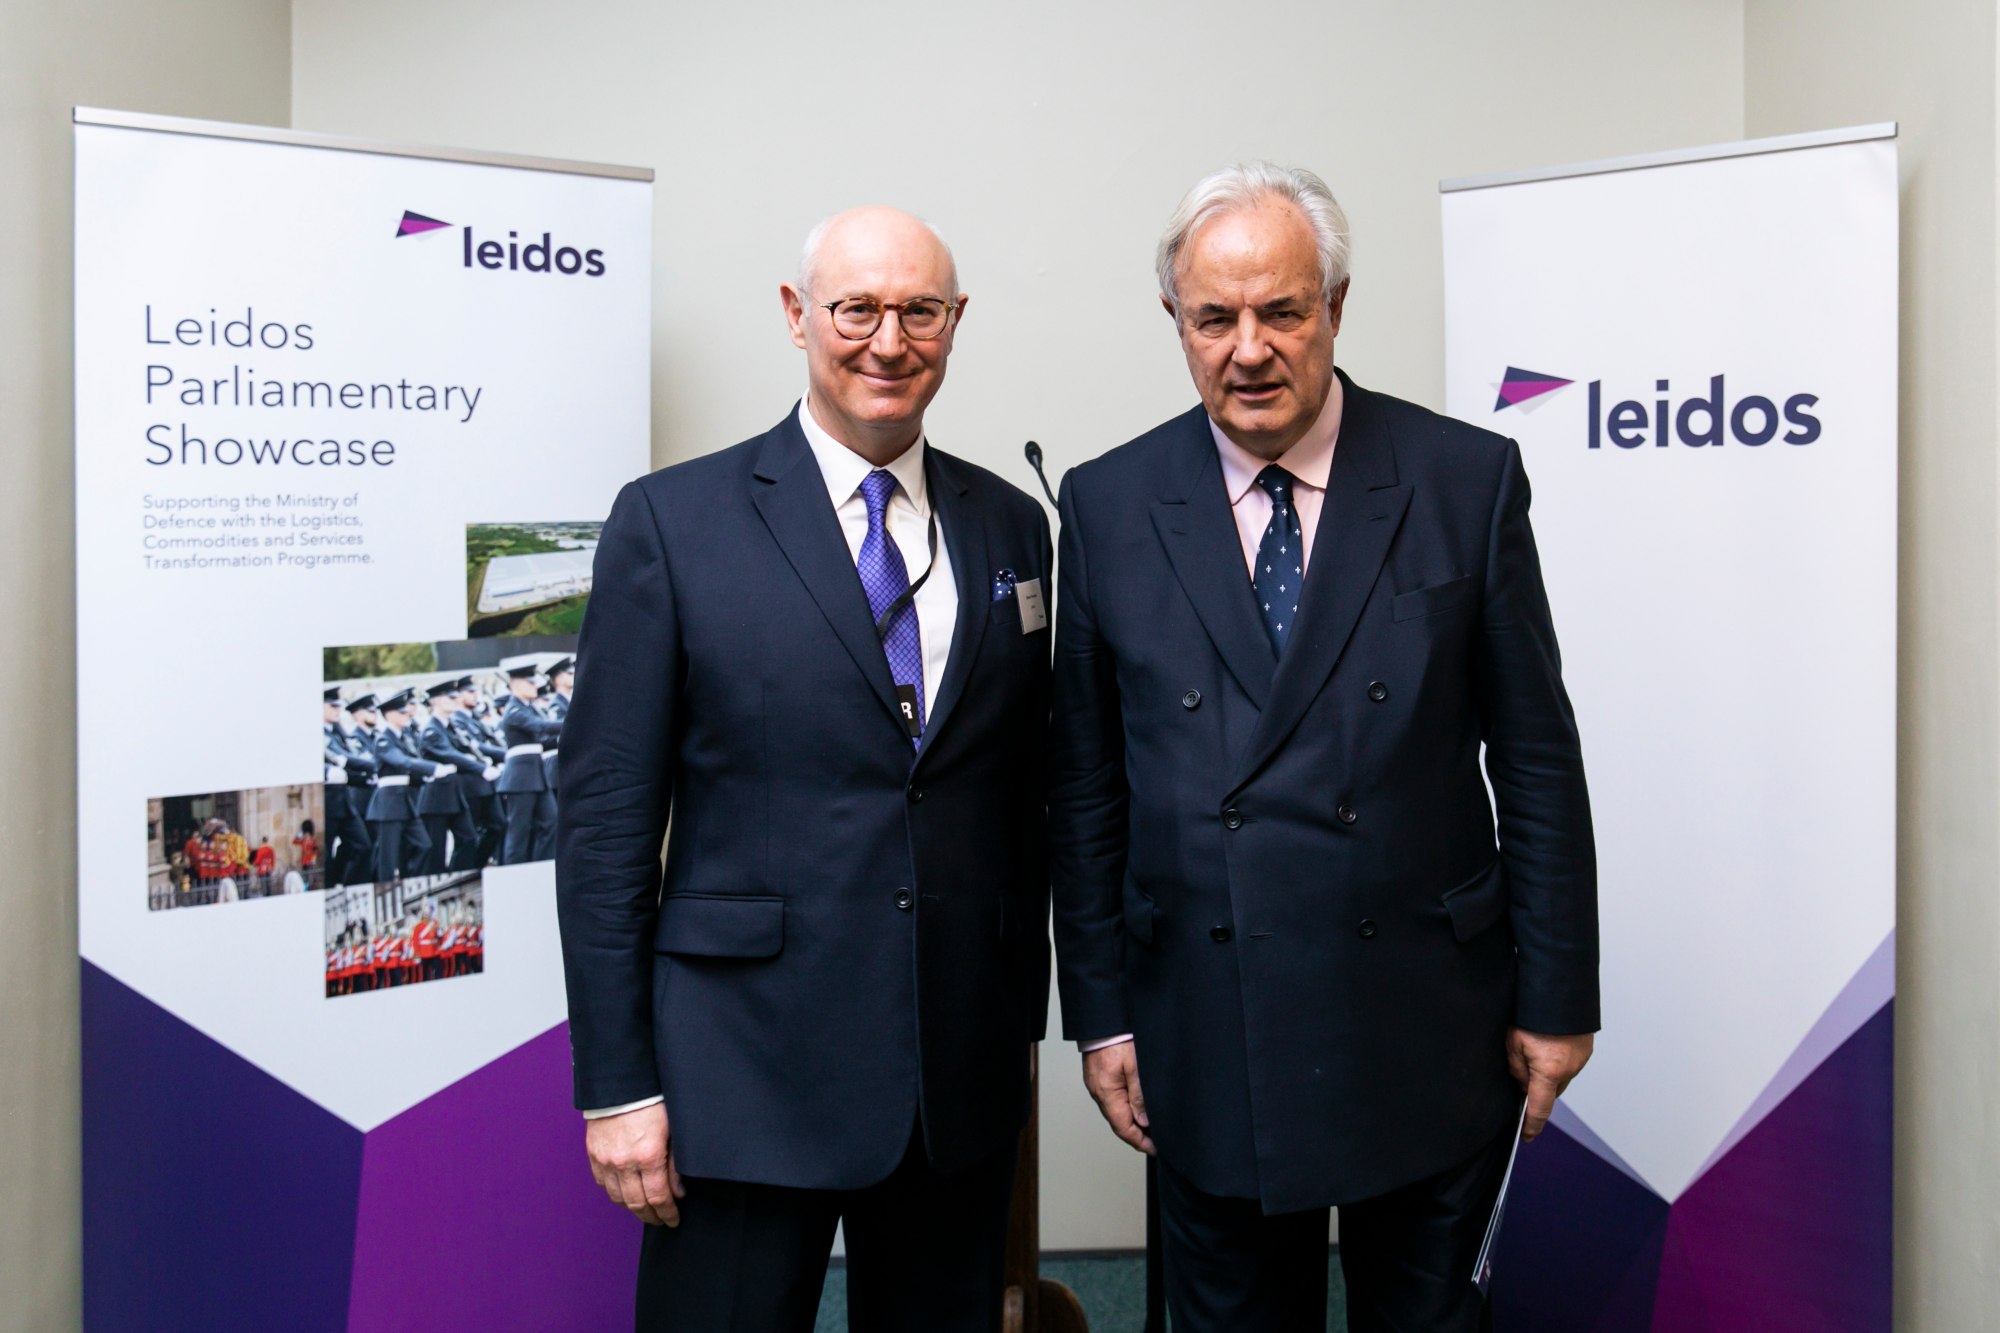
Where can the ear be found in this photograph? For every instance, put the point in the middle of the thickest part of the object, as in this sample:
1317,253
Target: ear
1334,306
1167,304
794,302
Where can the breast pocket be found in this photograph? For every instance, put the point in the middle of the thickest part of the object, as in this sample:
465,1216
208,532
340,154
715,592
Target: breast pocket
1436,598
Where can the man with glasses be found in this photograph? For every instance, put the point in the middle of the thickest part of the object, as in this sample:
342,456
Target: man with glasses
1301,968
823,654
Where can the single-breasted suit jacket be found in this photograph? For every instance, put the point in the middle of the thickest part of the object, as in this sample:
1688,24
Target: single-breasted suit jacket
1282,874
850,927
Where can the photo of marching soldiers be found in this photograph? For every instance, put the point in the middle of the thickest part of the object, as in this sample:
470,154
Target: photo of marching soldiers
528,578
221,847
403,933
450,767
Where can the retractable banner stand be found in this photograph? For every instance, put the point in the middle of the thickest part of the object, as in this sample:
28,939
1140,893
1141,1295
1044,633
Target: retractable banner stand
348,417
1697,355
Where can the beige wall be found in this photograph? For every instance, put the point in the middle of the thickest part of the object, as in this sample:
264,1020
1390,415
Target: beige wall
220,59
1048,141
1811,64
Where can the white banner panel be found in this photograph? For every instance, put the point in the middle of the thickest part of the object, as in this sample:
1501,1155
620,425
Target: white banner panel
346,424
1699,362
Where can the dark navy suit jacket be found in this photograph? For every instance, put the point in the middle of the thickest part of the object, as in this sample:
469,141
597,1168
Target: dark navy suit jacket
1282,875
849,927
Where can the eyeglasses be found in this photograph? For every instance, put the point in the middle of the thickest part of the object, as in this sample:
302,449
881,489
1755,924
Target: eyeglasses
856,317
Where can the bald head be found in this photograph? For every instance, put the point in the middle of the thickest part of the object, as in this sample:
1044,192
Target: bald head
870,377
875,233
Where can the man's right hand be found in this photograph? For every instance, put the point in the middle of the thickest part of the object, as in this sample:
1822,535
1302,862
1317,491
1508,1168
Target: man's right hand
1111,1073
632,1159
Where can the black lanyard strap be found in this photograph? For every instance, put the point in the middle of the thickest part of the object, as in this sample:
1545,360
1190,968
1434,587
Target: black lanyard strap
909,594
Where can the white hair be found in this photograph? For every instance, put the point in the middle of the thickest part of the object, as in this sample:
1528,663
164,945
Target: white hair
809,252
1245,185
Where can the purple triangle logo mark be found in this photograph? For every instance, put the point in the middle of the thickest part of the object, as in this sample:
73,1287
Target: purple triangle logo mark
416,224
1518,388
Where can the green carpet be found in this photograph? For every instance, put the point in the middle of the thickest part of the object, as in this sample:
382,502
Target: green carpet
1111,1287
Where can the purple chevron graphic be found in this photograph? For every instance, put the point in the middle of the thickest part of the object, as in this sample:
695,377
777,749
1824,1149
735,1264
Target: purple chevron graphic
1519,386
1872,986
1788,1227
1791,1228
214,1197
416,224
477,1210
1580,1246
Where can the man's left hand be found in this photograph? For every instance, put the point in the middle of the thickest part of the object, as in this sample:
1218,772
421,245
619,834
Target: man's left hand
1543,1066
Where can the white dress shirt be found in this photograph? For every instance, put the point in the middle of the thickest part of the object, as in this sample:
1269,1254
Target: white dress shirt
908,522
1310,461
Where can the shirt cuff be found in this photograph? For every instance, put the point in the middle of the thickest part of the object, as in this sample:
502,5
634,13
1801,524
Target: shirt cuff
1086,1047
604,1111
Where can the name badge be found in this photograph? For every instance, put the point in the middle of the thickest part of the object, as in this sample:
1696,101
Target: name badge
1034,611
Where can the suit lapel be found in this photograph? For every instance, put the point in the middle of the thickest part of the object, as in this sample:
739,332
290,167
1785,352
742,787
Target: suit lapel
964,536
1363,509
791,495
1195,525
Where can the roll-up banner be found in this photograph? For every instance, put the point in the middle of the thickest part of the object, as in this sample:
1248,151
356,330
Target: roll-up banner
348,417
1697,354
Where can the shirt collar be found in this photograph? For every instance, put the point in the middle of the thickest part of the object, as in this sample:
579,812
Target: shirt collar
1310,460
843,469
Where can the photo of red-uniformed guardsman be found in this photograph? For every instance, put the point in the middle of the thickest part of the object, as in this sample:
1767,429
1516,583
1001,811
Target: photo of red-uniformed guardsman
412,929
425,935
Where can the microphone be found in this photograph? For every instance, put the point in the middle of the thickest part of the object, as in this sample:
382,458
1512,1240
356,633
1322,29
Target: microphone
1034,454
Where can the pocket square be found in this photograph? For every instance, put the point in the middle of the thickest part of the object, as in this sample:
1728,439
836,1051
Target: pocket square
1003,585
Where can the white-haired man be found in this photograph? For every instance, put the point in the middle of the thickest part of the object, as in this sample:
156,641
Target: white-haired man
823,652
1289,619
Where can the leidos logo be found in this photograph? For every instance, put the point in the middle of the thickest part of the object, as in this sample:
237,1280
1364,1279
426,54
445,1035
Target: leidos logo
537,256
1710,419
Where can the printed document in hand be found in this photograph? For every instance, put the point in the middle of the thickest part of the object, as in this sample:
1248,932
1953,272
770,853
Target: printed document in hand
1482,1267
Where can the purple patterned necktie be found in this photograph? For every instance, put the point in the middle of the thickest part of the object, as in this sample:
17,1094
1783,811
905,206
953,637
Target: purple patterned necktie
884,577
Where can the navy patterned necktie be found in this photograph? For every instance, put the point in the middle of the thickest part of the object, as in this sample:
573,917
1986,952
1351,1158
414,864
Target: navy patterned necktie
1281,558
884,577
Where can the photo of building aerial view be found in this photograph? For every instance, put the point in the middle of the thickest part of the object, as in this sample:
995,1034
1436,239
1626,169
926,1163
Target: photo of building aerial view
527,578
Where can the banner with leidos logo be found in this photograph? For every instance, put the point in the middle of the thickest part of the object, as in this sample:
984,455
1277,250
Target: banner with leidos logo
1697,355
348,418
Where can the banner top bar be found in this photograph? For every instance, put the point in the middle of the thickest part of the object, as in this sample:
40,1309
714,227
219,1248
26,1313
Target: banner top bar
221,129
1783,143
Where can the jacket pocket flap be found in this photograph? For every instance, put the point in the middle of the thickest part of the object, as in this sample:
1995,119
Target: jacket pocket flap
1431,600
1139,913
709,926
1477,903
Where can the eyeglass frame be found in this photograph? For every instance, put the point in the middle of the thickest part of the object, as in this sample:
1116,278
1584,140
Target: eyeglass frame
951,308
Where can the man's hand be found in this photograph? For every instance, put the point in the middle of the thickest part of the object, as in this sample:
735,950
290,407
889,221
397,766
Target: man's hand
632,1159
1111,1073
1543,1066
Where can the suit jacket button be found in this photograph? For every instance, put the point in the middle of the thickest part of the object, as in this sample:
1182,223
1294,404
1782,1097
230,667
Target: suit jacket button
916,795
1220,934
903,900
1192,699
1366,930
1231,819
1346,814
1377,691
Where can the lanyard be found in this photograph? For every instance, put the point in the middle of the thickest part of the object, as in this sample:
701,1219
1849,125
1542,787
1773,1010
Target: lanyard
909,594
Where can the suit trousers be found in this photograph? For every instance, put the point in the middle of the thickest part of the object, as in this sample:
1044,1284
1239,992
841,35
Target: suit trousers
925,1253
1407,1256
